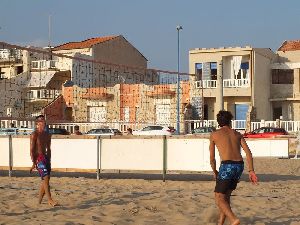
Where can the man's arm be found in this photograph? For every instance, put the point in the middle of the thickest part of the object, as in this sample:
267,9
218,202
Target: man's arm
252,176
212,155
33,154
49,147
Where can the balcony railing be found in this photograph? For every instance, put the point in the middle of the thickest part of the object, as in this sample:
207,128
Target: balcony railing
236,83
44,64
42,94
10,54
206,84
227,83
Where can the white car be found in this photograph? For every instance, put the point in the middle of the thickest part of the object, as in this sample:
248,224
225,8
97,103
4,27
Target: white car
104,132
155,130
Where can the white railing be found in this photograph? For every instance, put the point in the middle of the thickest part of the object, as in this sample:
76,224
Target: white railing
227,83
290,126
189,125
85,127
42,94
236,83
10,53
7,123
44,64
206,84
238,124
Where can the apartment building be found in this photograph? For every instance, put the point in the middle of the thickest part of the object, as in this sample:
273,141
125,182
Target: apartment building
235,79
285,85
103,70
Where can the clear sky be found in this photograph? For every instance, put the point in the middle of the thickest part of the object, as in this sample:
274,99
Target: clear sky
150,25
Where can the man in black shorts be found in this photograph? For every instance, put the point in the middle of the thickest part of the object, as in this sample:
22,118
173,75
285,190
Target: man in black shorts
228,142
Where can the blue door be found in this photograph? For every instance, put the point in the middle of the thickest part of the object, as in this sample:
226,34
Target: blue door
241,111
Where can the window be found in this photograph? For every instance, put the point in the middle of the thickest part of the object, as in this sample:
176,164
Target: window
277,113
282,76
198,69
19,69
213,70
206,71
243,72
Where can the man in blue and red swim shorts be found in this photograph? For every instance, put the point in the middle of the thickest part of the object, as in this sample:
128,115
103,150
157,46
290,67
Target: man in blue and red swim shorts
43,165
229,143
40,152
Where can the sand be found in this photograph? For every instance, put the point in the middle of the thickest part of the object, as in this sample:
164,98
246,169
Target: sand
123,199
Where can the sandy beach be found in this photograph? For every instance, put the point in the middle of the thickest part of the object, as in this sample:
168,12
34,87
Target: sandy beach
121,199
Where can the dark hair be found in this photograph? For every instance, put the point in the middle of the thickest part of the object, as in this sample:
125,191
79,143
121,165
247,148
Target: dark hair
224,118
40,116
76,127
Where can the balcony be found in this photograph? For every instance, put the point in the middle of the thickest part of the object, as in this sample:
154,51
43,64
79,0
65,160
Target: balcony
236,83
227,83
10,55
41,95
44,64
206,84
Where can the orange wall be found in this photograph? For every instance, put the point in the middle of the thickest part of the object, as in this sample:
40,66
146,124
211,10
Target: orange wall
55,111
129,97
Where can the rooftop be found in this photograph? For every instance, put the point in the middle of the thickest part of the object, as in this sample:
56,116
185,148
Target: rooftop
221,49
292,45
83,44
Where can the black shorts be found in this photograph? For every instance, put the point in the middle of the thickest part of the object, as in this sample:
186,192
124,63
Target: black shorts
229,175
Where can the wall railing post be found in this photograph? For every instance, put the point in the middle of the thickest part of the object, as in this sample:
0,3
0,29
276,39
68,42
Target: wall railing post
10,156
98,156
164,157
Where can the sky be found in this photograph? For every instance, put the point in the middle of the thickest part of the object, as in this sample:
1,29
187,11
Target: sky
151,25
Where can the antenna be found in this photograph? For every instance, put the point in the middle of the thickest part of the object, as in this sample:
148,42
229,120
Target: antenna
49,33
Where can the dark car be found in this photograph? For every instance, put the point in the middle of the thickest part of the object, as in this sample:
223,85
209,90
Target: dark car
58,131
203,130
266,132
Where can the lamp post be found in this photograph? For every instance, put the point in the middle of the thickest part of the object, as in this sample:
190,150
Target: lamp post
178,82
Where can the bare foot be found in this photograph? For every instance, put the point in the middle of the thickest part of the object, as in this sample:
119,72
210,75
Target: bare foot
236,222
53,203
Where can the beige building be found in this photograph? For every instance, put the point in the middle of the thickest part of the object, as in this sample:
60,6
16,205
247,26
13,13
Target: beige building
109,49
235,79
99,80
285,86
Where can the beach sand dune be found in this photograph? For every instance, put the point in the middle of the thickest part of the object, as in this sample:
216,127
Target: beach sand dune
185,199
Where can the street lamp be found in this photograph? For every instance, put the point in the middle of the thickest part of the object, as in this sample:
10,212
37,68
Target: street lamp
178,82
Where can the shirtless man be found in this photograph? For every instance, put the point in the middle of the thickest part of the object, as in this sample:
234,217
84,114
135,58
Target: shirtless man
228,142
40,153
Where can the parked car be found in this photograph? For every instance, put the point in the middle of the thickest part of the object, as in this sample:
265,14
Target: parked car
8,131
265,132
155,130
104,132
16,131
58,131
203,130
24,131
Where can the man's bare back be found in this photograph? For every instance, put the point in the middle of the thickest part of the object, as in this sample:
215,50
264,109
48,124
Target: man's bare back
228,142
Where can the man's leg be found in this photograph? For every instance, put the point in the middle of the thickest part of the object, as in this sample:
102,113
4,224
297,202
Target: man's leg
42,192
47,191
223,202
222,216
